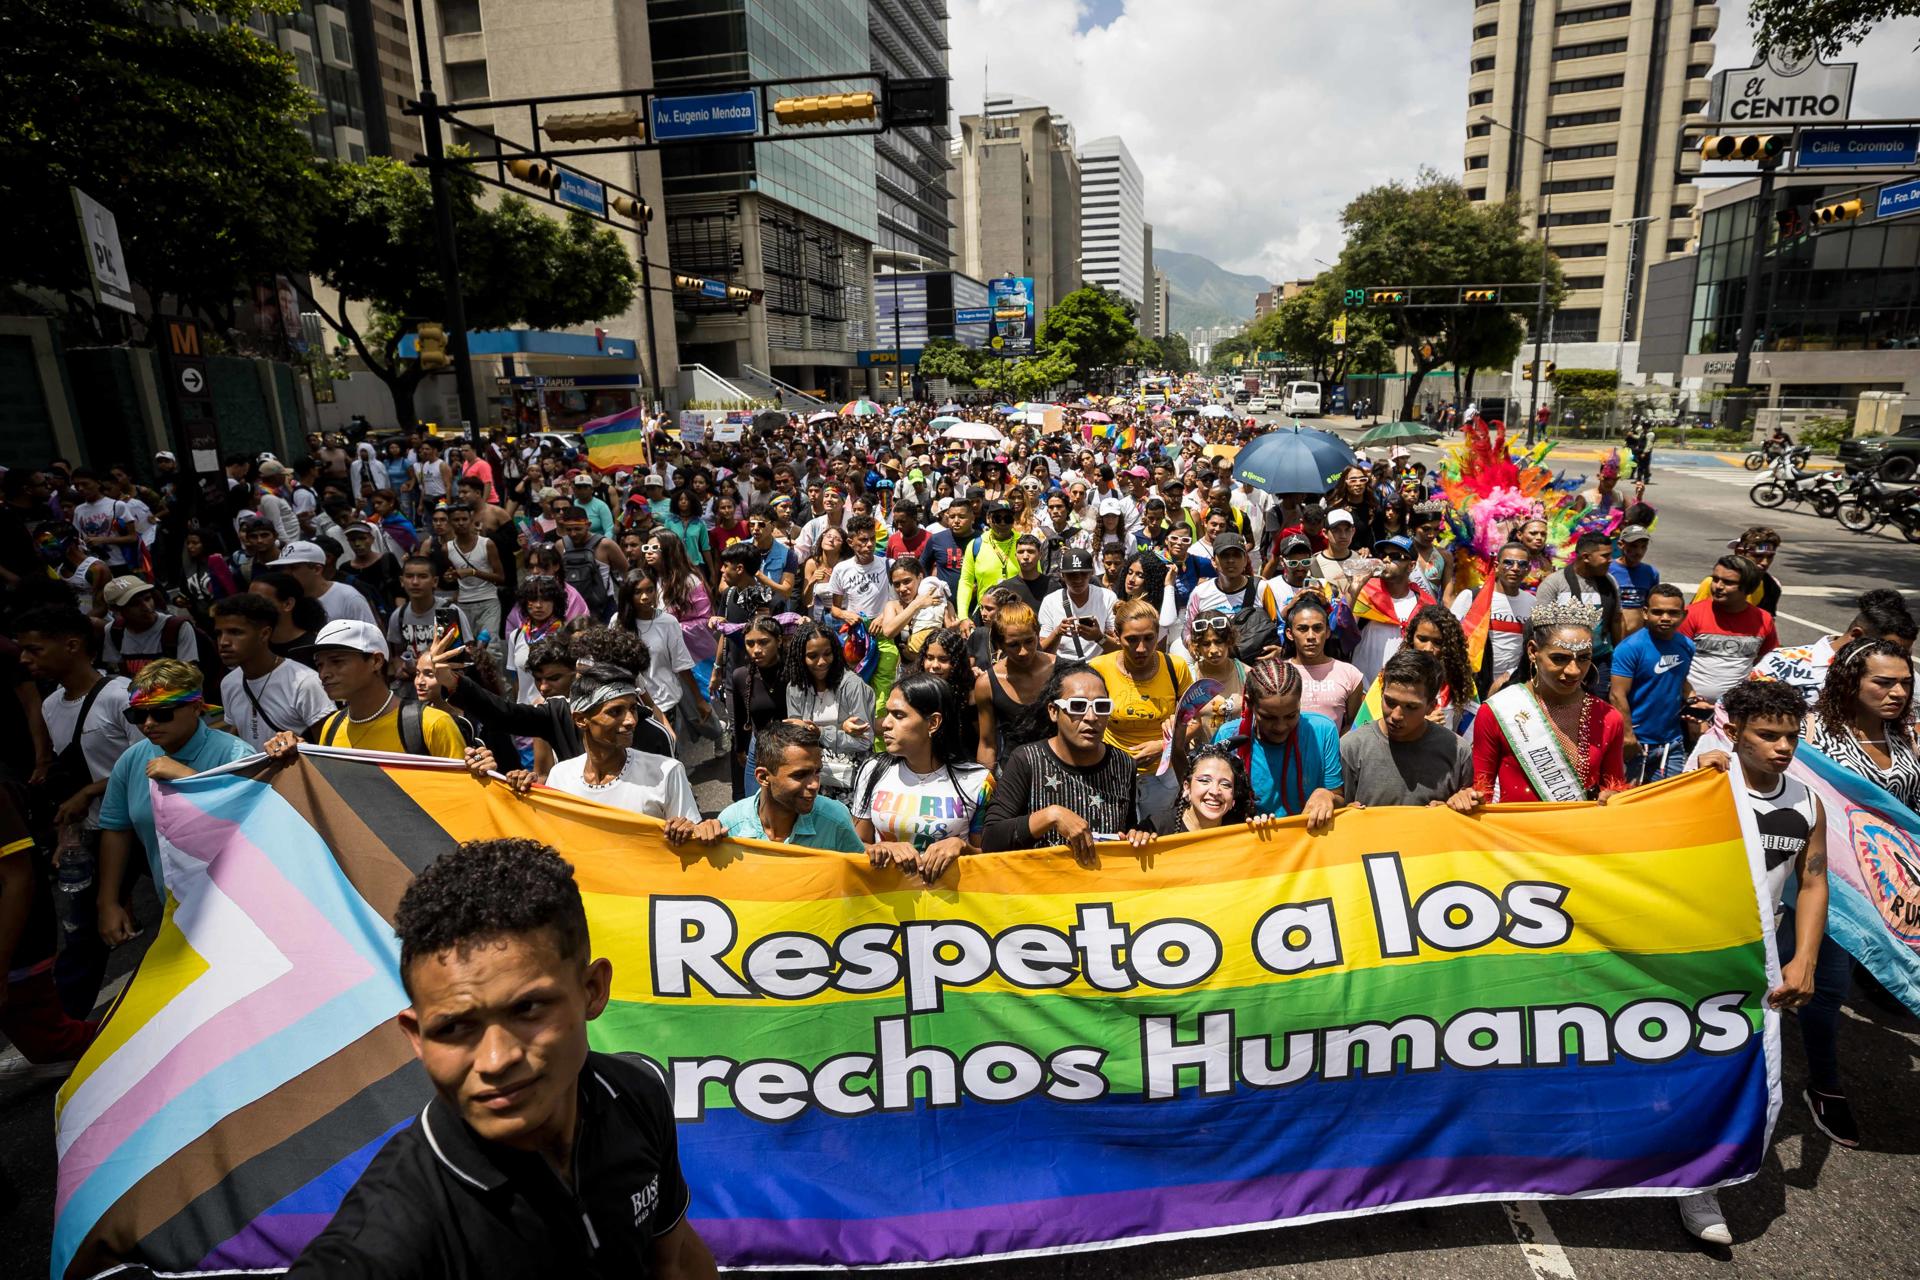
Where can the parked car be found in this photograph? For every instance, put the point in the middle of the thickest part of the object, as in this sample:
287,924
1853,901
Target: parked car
1895,458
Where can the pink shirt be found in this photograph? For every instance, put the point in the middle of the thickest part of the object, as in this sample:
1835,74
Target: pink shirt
1325,688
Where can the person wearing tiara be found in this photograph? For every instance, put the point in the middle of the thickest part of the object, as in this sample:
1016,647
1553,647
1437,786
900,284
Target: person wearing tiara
1543,736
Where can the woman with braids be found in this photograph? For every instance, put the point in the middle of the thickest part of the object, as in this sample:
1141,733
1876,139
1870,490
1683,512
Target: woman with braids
1292,757
821,691
1009,695
923,804
1217,794
1543,737
757,695
947,656
1071,789
1329,685
1863,719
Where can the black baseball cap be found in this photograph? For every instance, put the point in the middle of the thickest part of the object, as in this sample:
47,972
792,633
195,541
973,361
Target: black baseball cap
1076,560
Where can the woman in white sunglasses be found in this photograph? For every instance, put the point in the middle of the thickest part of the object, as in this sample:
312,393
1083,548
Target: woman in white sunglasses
1071,789
1212,639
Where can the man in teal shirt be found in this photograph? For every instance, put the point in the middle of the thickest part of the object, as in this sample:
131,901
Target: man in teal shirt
599,514
788,808
165,708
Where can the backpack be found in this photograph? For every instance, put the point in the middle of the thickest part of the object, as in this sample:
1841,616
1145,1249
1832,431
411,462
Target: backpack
1256,630
583,570
413,737
211,670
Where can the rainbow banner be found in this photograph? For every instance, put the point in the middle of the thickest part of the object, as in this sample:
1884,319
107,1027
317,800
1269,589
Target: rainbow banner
1217,1032
616,441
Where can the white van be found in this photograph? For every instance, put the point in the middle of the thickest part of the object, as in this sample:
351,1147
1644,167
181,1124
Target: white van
1301,400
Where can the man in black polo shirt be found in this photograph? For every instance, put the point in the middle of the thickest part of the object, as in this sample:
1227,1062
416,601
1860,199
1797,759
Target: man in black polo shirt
535,1157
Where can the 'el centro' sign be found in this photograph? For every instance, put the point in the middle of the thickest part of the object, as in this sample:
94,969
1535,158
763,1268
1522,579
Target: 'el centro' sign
1782,90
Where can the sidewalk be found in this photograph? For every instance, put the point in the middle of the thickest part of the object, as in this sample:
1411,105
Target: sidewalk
1566,451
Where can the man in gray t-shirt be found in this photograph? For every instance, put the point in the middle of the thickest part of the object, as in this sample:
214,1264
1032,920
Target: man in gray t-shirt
1404,758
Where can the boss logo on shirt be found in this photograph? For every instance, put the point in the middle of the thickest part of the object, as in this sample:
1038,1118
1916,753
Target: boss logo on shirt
645,1201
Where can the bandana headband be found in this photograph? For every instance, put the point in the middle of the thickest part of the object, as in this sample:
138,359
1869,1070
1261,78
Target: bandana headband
589,703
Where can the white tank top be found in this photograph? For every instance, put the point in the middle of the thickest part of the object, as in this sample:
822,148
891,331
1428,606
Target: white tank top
77,582
1785,818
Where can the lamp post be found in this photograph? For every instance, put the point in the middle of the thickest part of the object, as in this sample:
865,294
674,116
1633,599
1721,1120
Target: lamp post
1633,226
1540,308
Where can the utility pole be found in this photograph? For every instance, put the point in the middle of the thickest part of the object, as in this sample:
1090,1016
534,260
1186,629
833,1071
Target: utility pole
456,307
1540,307
1633,226
1734,414
646,293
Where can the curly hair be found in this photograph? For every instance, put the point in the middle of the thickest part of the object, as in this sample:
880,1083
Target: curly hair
1841,693
1453,649
796,672
1763,700
610,645
1242,784
488,889
953,643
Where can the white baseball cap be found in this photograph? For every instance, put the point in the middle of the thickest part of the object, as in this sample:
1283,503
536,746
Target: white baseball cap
299,553
347,633
1339,515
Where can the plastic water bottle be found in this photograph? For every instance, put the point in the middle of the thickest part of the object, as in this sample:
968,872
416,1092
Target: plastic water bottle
75,877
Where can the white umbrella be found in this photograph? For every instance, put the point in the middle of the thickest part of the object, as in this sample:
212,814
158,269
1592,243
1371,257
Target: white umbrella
979,431
1215,411
823,417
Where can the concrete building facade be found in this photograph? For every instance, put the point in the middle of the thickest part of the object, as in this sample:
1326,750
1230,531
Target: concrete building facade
1016,197
503,49
1162,304
1606,86
1113,219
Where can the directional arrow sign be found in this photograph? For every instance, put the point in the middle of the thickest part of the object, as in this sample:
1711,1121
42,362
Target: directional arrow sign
192,381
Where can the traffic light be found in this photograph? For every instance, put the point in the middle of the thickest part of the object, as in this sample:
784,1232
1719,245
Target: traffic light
826,108
1480,295
638,210
587,126
1790,223
537,172
1763,147
1386,297
1843,211
1546,368
430,346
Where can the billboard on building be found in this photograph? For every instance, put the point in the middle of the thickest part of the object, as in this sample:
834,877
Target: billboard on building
1011,298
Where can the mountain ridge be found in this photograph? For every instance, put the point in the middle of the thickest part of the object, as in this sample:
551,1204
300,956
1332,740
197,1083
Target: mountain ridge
1206,293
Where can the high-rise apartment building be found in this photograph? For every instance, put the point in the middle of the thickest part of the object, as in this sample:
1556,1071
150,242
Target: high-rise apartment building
383,42
1146,279
909,38
1016,199
1112,219
1595,96
1162,304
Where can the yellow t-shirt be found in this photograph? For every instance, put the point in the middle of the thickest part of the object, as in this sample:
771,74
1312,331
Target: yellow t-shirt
1140,710
383,733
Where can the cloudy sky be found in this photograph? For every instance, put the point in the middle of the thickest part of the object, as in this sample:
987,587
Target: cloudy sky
1255,121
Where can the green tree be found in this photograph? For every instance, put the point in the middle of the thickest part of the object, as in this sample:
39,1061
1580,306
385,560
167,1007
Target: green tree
1220,358
944,358
1588,393
1825,27
1093,328
1302,326
1175,355
191,137
373,243
1430,234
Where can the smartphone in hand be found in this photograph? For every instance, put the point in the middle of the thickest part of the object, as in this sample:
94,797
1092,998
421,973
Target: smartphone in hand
446,622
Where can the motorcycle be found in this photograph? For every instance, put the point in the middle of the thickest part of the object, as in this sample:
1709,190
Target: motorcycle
1765,455
1873,502
1790,482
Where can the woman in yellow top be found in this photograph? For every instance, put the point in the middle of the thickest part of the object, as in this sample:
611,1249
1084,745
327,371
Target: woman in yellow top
1145,685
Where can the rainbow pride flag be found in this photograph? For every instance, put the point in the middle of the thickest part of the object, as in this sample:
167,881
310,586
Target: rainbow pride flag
616,441
1221,1031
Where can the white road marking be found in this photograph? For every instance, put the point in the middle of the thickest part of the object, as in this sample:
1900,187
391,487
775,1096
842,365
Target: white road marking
1538,1245
1818,627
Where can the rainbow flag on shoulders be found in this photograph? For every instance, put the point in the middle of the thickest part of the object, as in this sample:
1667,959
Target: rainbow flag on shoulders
618,441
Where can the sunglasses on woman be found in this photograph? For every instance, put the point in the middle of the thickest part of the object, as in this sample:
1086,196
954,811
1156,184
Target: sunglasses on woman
1201,626
137,716
1085,706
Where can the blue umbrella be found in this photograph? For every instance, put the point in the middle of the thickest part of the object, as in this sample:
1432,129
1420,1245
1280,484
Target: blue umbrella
1292,459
